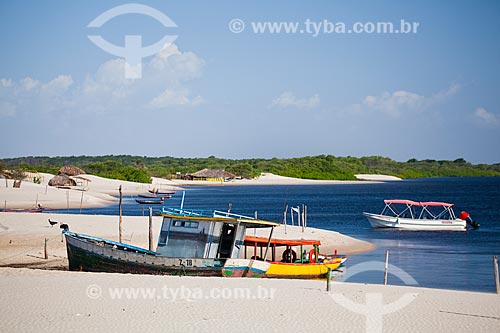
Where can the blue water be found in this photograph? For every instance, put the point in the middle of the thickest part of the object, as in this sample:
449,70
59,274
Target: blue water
449,260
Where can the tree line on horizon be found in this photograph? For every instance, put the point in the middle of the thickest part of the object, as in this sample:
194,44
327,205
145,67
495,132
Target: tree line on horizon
324,167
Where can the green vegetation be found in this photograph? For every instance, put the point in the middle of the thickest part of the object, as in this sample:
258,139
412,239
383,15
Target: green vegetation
139,169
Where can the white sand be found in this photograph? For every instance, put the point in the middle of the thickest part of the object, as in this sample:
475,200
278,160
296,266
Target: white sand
72,301
270,179
374,177
44,300
100,192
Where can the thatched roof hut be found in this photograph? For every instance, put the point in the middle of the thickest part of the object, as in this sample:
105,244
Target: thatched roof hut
70,170
212,175
62,180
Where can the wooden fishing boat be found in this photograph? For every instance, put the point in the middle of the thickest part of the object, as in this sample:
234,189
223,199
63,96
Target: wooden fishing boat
32,210
154,196
202,243
150,201
160,192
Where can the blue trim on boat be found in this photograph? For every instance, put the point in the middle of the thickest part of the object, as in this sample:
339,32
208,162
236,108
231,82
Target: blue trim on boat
98,239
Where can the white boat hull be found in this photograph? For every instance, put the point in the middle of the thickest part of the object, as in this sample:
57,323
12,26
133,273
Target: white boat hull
383,221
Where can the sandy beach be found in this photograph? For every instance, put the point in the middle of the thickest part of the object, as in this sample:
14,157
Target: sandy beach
40,294
102,191
22,236
272,179
75,301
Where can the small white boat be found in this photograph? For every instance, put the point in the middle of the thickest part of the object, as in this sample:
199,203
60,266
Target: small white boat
412,215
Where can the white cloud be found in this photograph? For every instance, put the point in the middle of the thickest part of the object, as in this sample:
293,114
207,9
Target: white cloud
163,84
171,97
57,86
399,101
487,117
288,99
28,84
393,103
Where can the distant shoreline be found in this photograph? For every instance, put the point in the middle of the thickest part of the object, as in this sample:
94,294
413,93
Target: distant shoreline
100,192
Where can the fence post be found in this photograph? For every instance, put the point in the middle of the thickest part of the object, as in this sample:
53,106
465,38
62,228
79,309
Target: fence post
45,253
328,279
495,271
386,266
120,219
150,229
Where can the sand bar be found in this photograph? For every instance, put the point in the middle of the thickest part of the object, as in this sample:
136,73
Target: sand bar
272,179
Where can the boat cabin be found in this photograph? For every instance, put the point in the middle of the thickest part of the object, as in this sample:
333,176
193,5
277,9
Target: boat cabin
204,234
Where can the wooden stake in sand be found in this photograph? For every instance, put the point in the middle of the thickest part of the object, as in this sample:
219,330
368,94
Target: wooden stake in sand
386,266
81,203
120,218
495,273
45,253
150,229
328,279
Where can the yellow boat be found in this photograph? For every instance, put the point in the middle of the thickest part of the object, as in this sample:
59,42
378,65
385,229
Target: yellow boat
309,265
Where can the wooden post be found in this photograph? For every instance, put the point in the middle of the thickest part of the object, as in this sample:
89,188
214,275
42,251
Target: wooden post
120,220
495,272
298,216
150,229
45,253
303,218
284,217
328,279
67,198
81,203
386,266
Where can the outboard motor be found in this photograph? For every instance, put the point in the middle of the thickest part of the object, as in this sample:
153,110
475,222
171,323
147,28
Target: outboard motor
466,217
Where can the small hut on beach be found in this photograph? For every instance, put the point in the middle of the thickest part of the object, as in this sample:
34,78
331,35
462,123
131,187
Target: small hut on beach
70,170
214,175
62,180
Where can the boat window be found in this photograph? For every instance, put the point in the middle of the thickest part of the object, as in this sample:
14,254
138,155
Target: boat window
186,224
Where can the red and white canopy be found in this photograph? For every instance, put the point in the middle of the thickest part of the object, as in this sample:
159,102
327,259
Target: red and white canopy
420,204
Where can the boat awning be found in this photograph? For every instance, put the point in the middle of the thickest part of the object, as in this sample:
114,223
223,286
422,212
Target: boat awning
262,241
216,216
420,204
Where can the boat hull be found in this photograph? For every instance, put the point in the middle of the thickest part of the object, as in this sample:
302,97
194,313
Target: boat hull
302,270
92,254
85,255
383,221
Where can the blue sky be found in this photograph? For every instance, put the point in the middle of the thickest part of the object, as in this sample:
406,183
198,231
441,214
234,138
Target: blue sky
430,94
